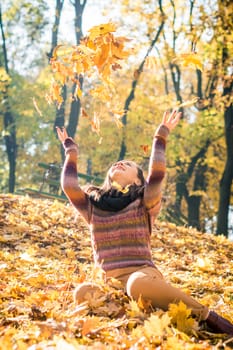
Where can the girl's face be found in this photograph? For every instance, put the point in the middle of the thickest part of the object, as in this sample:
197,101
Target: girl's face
124,173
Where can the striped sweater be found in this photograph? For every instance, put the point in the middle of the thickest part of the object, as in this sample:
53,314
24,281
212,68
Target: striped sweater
119,239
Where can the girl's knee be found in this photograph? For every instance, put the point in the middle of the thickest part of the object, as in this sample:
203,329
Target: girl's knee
134,285
84,291
145,283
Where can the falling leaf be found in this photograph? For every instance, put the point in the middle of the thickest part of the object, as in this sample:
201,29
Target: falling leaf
189,60
189,103
84,113
145,149
99,53
78,91
95,124
101,29
36,107
151,63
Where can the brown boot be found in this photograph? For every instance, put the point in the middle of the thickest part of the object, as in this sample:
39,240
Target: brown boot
219,324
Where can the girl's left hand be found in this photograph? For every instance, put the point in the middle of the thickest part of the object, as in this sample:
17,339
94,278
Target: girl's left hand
170,120
62,134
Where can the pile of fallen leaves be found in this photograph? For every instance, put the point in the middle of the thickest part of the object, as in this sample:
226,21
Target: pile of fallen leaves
45,252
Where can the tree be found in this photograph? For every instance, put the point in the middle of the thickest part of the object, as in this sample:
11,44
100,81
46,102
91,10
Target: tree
226,26
8,117
32,25
75,104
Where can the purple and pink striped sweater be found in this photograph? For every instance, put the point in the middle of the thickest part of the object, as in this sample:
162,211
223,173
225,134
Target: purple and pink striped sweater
120,239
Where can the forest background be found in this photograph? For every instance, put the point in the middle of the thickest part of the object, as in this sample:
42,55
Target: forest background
180,56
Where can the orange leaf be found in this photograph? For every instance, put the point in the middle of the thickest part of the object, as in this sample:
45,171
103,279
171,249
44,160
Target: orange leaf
84,113
145,148
89,325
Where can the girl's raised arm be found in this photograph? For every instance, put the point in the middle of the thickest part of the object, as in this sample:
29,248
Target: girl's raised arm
69,177
157,165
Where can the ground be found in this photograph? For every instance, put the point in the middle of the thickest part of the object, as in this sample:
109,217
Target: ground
45,252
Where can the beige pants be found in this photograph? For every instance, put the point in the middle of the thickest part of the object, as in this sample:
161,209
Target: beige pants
149,283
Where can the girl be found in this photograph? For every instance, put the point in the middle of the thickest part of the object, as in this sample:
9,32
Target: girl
120,215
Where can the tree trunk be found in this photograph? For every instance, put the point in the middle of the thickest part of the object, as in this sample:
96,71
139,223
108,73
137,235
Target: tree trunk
227,177
11,146
9,122
60,113
194,200
76,103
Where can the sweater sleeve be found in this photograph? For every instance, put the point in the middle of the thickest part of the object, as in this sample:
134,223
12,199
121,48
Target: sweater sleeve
69,180
156,172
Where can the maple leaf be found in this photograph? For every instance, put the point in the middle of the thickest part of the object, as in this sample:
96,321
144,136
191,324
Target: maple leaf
180,316
90,324
155,326
134,310
101,29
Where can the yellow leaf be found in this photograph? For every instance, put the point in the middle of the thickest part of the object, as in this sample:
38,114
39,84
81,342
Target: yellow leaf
101,29
189,102
120,188
62,50
78,91
180,317
134,310
100,92
189,60
155,325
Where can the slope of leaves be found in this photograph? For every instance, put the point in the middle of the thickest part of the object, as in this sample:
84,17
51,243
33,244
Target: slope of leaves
45,252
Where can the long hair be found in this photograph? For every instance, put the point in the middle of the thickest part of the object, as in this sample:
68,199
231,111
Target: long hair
106,187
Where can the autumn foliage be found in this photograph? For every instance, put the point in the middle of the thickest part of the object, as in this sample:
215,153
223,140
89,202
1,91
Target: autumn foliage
97,57
99,54
45,253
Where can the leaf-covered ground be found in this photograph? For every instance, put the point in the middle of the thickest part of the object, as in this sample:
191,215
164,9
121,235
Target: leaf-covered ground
45,252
